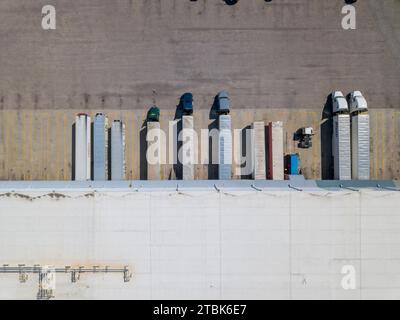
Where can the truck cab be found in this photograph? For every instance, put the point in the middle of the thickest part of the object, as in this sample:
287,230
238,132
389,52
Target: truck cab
339,103
153,115
187,103
223,103
357,102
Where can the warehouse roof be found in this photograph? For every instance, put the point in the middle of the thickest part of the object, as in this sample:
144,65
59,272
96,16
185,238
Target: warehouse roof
295,183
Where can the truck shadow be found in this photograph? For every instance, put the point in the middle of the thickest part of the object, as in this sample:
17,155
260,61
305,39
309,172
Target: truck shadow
177,168
73,152
213,141
245,153
143,151
326,140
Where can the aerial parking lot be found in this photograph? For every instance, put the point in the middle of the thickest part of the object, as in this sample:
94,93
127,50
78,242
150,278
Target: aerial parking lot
278,60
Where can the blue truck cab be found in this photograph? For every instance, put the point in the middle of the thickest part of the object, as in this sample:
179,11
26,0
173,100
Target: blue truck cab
187,103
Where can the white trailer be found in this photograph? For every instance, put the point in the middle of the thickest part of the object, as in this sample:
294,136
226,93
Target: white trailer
225,148
275,151
100,147
187,151
341,148
360,144
82,147
258,150
153,154
118,150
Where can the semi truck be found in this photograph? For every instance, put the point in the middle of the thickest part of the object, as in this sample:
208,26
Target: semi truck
225,147
341,148
258,150
360,144
100,147
82,147
118,165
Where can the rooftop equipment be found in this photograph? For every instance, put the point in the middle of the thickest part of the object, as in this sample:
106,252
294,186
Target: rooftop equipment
47,275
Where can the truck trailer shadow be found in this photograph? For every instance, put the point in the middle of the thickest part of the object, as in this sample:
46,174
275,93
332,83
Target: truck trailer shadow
326,140
177,168
245,153
73,152
143,151
213,141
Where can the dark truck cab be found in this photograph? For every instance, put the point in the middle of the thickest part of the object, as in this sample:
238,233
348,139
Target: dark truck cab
223,103
153,115
187,103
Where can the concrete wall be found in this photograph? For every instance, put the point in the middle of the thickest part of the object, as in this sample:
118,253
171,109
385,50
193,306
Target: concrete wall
233,244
